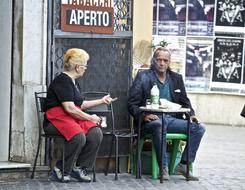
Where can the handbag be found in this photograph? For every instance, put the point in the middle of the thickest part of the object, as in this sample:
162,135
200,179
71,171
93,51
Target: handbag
243,111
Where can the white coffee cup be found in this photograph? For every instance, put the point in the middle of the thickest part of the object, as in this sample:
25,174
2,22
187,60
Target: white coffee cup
103,122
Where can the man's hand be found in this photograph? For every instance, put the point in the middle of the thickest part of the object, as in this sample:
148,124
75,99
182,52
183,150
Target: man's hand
194,119
150,117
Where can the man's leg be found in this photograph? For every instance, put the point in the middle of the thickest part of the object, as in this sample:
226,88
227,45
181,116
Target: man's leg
155,128
196,133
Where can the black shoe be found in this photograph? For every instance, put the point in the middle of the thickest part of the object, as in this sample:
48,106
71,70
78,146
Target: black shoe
181,169
80,174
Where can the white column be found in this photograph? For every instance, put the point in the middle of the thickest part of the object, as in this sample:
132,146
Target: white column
5,75
29,75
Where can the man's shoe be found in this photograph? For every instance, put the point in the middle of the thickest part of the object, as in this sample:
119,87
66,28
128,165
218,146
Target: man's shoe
56,174
181,169
165,174
80,174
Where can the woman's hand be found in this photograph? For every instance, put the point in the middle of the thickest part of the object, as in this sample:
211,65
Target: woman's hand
108,100
95,119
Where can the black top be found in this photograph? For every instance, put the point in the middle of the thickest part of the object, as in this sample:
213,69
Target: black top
62,89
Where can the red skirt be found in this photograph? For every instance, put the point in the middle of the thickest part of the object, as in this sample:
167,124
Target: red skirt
66,124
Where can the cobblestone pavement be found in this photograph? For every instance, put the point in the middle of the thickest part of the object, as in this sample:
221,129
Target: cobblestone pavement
220,164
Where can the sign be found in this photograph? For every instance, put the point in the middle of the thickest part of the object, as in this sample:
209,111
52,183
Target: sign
95,16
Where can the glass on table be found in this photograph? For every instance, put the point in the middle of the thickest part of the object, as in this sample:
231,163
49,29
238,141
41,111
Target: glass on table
148,103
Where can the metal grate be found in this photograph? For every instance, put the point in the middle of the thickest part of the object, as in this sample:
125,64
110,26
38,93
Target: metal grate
108,70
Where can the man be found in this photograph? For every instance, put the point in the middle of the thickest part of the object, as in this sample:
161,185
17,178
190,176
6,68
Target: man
171,87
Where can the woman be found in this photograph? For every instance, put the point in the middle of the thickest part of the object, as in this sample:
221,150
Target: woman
64,107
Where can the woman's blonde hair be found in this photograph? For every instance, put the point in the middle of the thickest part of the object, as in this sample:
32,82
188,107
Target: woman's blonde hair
73,57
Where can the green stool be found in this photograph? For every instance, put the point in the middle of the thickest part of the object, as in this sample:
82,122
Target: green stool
175,138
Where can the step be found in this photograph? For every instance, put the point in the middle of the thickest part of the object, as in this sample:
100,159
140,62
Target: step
14,170
5,165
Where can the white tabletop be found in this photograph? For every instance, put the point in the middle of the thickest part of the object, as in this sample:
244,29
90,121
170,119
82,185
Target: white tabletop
164,110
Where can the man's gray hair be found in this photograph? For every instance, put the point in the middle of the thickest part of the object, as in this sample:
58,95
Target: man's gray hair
155,54
160,48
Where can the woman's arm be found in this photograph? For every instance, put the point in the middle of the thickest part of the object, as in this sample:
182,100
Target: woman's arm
91,103
75,112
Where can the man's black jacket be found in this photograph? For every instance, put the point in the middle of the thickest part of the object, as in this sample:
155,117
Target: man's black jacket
141,87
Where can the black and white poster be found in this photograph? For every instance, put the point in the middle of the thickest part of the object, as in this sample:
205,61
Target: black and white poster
169,17
200,17
243,82
230,13
198,63
227,61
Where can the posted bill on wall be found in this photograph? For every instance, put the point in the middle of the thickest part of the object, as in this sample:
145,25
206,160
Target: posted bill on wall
198,63
200,17
230,13
169,17
227,61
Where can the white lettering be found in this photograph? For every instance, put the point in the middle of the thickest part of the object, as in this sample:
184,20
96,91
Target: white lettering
79,16
87,3
86,17
64,2
93,3
93,21
81,2
99,13
74,2
100,3
73,17
106,19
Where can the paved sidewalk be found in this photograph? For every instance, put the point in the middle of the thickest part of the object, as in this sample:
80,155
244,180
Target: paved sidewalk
220,164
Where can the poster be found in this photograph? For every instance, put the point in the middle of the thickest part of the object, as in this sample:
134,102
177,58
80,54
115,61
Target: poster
169,17
227,61
198,63
176,45
243,73
243,66
230,13
200,17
